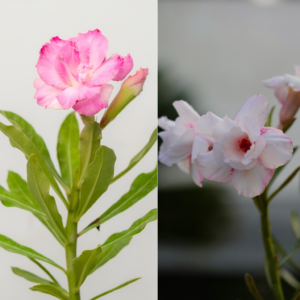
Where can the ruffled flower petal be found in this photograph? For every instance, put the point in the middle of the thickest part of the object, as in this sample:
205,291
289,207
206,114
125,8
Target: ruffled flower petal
187,114
200,145
206,124
278,150
251,183
196,174
257,107
222,127
125,68
165,123
93,105
293,82
185,165
275,82
282,94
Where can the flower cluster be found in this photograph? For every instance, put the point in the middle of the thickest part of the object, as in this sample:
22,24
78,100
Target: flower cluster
75,72
241,151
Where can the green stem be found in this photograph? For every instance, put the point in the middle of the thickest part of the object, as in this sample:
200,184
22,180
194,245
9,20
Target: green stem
71,230
271,258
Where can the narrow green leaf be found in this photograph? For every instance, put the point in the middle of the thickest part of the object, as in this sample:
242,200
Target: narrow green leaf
30,276
295,224
98,177
134,229
269,120
267,272
289,278
284,184
140,187
110,252
278,170
67,148
21,141
12,246
52,290
89,143
281,251
10,199
44,269
290,254
39,187
252,287
139,156
18,186
116,288
84,264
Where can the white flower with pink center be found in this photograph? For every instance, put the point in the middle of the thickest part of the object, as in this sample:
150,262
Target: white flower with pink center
244,151
181,144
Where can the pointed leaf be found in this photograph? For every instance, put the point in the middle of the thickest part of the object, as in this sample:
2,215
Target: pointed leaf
278,170
98,177
116,288
12,246
18,186
12,200
289,278
295,223
110,252
84,264
52,290
269,120
30,276
252,287
39,187
140,187
135,228
21,141
89,143
139,156
284,184
44,269
67,148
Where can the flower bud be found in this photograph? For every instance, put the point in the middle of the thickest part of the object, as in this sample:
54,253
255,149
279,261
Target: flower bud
130,88
289,108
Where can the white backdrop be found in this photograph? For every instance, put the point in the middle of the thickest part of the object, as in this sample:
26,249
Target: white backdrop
131,27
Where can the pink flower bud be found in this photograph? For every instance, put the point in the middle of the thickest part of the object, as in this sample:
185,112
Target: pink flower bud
130,88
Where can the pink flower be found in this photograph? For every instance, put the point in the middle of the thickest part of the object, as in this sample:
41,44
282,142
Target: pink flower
181,143
287,91
244,152
131,88
74,73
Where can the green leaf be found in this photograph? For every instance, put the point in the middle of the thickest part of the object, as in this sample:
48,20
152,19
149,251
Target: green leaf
12,200
295,224
140,187
18,186
67,148
110,252
116,288
44,269
139,156
11,246
284,184
30,276
278,170
269,120
267,272
98,177
89,143
39,187
134,229
52,290
289,278
21,141
252,287
84,264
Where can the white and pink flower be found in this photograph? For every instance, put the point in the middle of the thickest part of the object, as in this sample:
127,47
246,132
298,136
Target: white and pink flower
181,143
241,151
287,91
75,72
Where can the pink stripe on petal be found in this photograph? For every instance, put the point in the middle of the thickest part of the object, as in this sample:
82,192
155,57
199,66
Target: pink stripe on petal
70,95
93,105
107,71
125,68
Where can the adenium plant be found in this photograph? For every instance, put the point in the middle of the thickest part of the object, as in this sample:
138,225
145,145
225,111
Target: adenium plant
74,73
247,152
